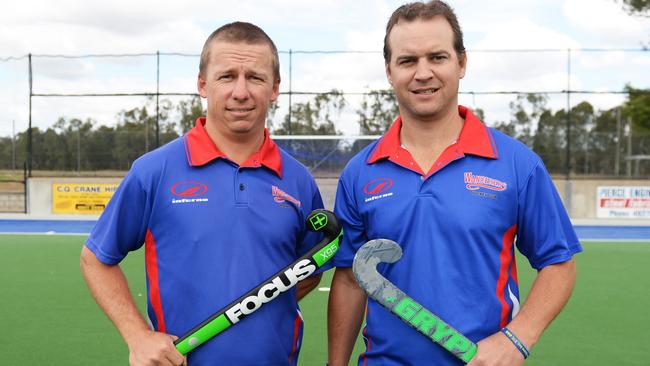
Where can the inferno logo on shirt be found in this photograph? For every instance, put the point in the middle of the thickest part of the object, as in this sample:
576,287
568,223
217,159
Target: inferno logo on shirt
281,196
189,192
474,182
189,189
378,188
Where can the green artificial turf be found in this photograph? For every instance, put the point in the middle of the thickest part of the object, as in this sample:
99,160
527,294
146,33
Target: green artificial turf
47,316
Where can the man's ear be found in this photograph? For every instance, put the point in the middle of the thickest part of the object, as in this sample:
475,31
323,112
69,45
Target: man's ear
462,61
276,90
388,75
200,86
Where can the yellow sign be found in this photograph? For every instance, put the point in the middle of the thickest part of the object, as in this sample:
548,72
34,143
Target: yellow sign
86,198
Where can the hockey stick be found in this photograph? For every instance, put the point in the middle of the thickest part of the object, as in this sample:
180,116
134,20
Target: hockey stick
319,221
400,304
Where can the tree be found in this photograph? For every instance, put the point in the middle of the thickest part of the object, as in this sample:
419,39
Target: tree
637,107
72,143
637,7
637,110
550,139
6,153
189,111
135,133
525,111
607,147
479,113
506,127
378,110
582,118
314,117
99,149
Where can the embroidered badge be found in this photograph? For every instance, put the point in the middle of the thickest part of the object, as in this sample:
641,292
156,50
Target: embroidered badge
281,196
474,182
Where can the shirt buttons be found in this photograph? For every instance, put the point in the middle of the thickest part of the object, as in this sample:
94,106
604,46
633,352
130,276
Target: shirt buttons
242,186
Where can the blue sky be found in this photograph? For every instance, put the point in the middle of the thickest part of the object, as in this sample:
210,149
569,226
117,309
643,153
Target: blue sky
77,27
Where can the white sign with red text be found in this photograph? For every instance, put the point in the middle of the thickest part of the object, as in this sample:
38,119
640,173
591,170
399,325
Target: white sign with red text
623,202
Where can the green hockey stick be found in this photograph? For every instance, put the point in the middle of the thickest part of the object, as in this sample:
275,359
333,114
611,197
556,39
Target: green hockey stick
408,310
318,220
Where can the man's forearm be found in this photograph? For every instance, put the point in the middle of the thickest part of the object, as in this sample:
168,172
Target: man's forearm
347,303
548,295
110,289
307,285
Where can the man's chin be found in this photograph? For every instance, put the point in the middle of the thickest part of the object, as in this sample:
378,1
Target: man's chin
245,127
431,112
427,114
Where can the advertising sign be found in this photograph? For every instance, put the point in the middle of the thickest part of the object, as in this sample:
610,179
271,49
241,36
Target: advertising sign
623,202
86,198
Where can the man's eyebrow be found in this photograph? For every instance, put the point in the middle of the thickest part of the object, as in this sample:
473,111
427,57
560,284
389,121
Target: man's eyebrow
260,74
405,57
223,70
436,53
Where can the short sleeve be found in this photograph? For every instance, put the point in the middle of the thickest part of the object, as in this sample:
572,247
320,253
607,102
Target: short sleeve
308,239
122,226
354,233
544,231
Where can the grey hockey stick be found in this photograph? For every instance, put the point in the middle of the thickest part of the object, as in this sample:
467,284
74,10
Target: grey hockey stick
400,304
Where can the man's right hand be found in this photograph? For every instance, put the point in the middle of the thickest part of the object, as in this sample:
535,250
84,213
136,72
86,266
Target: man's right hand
110,289
155,349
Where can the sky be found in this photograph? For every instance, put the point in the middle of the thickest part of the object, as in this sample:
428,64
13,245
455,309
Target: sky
75,27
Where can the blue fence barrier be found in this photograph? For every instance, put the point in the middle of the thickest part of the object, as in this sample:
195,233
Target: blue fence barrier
585,232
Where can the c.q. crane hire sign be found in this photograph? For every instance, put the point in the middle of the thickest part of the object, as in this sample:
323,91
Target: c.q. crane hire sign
81,198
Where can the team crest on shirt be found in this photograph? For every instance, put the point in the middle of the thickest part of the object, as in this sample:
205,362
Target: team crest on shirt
377,189
282,197
475,182
189,192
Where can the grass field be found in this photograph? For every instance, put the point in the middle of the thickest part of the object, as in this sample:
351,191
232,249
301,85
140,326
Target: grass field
47,316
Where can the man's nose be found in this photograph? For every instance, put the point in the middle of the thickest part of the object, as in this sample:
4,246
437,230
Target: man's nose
423,70
240,90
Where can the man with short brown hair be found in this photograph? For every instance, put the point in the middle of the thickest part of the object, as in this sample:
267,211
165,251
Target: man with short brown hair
218,210
453,194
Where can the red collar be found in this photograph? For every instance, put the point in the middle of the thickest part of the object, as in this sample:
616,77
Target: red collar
200,150
474,139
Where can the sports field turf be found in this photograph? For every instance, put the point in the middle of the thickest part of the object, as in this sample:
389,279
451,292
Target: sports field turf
47,316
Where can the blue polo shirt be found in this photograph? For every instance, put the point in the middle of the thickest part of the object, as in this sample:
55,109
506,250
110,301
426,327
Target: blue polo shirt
213,230
456,225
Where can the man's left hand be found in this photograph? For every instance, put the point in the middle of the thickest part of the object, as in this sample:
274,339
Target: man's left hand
496,350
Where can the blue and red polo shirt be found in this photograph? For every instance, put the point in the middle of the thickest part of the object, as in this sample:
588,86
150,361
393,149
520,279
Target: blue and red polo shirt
456,225
213,230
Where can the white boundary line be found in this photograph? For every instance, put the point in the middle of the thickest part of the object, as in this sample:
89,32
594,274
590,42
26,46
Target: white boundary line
41,233
647,241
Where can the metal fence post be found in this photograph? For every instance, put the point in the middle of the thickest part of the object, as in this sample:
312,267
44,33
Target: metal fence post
29,128
157,98
290,91
568,117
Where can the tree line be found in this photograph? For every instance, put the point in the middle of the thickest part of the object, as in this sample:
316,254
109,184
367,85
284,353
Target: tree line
602,142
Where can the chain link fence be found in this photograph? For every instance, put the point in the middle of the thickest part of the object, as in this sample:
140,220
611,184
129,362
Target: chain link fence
155,106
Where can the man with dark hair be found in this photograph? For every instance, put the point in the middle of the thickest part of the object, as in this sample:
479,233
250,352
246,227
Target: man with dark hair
453,194
218,210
